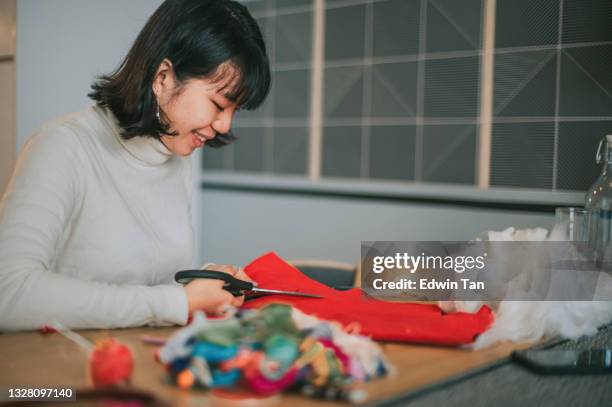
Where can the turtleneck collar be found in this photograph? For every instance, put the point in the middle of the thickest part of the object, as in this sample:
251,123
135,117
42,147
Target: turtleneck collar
146,150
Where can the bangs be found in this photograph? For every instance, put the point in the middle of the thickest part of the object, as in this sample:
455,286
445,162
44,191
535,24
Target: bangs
246,84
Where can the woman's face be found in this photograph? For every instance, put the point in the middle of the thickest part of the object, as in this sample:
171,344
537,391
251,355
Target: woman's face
196,110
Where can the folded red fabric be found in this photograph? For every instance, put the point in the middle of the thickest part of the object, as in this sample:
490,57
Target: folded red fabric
385,321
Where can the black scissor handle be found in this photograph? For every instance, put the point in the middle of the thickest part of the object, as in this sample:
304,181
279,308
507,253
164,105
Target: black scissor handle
232,284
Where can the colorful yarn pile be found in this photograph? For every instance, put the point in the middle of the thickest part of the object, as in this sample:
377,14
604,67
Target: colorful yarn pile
270,350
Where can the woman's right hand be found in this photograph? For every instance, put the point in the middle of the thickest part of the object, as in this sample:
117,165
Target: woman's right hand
209,296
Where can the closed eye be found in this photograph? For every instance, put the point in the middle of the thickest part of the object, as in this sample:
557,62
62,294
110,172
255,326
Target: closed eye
219,108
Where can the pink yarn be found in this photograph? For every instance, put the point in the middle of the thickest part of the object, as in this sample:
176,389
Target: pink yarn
261,385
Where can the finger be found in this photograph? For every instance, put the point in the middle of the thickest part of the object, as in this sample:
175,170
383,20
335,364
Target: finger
242,275
201,284
228,298
221,304
224,268
227,303
208,266
207,283
215,267
221,310
238,301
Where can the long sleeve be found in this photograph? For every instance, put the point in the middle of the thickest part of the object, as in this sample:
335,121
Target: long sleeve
36,217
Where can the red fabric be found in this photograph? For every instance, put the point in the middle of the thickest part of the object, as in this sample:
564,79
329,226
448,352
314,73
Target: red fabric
386,321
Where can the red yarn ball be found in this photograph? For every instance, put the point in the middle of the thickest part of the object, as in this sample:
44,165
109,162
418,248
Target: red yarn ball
110,363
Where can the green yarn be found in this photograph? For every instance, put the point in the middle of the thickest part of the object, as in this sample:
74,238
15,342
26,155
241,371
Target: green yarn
272,319
283,350
227,332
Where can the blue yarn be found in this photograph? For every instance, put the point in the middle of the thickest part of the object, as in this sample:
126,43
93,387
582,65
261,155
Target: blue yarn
304,373
322,331
214,353
179,364
225,379
381,369
280,349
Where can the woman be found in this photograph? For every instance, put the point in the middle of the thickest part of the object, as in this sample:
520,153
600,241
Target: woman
96,219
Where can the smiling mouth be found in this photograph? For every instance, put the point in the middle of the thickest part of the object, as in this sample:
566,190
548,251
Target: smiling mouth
202,137
198,139
199,136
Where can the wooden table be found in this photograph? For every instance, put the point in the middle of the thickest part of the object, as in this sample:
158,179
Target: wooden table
35,359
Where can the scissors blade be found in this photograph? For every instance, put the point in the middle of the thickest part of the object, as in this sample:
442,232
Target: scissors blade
295,293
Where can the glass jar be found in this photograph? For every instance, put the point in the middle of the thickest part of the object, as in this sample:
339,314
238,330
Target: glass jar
599,195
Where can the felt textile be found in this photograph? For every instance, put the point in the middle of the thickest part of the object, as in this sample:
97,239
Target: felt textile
385,321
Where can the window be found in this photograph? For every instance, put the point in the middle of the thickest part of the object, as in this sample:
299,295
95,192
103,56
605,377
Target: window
403,92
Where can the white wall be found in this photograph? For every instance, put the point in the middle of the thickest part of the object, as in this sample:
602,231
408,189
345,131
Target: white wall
239,226
63,44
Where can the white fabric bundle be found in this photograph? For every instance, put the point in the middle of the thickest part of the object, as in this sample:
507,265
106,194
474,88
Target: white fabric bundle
521,321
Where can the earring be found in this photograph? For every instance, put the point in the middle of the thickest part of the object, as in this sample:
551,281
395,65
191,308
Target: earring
157,113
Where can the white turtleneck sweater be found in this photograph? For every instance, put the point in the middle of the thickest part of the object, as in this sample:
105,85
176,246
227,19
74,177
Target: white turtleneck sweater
93,228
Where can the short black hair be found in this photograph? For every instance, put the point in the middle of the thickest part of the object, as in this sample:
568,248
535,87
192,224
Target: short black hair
197,36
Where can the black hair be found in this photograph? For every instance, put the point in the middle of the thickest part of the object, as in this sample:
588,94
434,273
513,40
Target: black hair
197,36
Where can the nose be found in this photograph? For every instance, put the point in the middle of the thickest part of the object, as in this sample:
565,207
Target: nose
223,123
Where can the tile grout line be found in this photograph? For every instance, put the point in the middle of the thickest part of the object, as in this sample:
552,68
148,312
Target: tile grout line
478,126
412,121
557,98
268,162
394,59
420,111
367,93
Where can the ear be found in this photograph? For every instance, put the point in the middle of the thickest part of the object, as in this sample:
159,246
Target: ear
164,81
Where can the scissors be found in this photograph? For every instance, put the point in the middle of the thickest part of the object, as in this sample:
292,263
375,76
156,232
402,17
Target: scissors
232,284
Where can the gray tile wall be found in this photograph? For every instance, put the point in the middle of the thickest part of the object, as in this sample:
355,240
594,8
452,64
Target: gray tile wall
523,152
395,27
392,152
451,87
401,97
553,92
449,153
342,151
